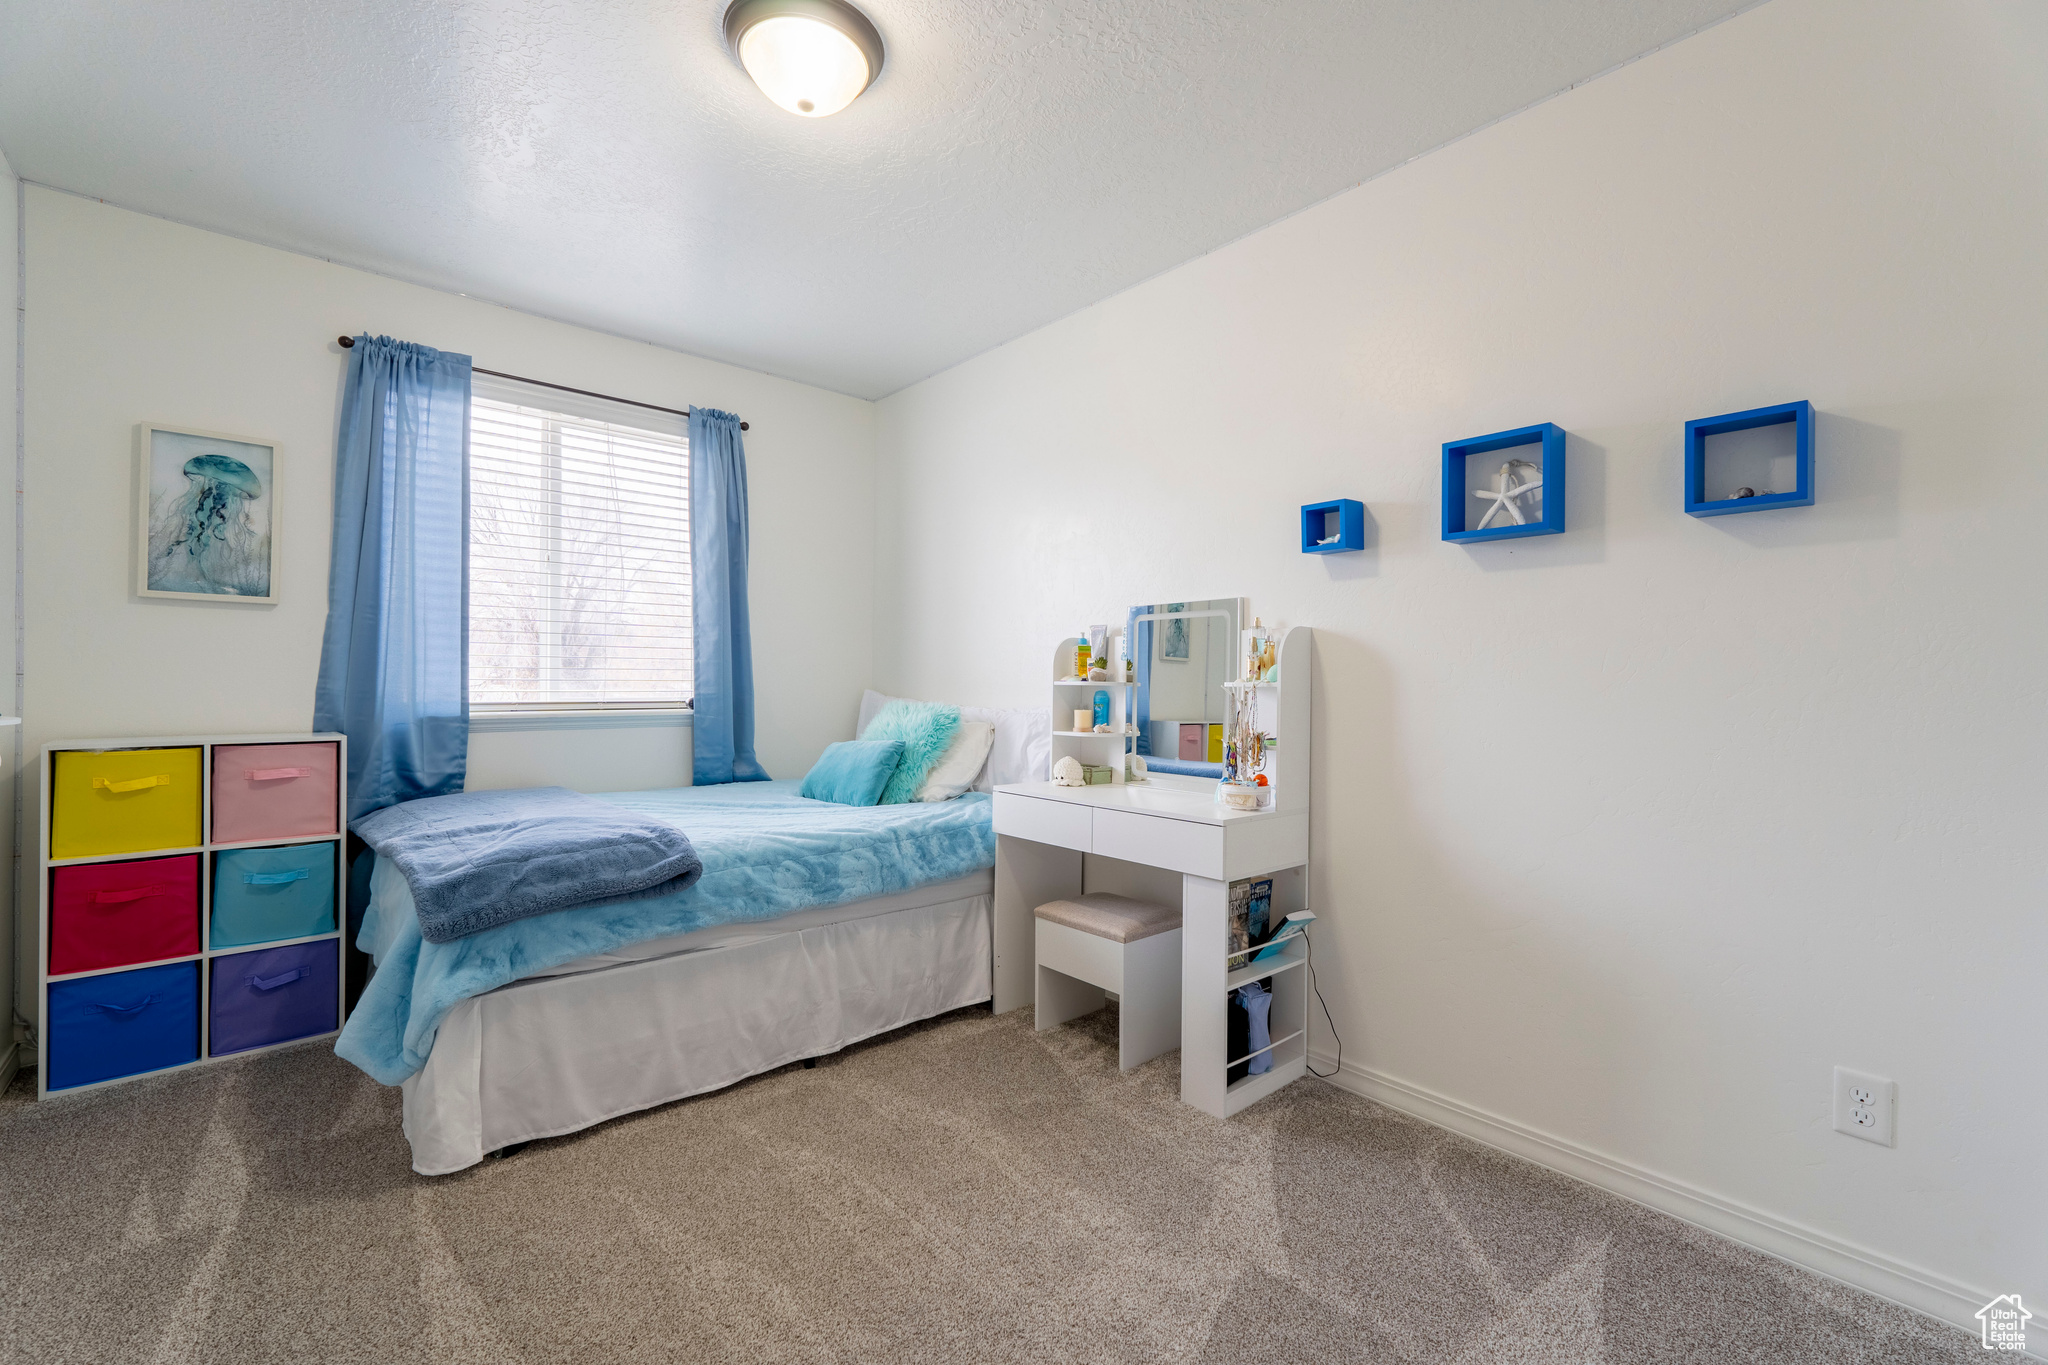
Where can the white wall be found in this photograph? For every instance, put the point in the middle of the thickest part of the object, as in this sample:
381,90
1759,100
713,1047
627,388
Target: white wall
1628,836
135,319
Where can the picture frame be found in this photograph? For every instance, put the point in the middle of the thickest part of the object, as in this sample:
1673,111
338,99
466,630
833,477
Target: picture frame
207,515
1173,636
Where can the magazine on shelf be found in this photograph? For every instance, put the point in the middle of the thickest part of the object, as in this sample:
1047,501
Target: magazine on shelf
1251,906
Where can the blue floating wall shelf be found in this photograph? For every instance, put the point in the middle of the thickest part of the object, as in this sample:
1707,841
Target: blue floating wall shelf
1800,414
1462,508
1332,527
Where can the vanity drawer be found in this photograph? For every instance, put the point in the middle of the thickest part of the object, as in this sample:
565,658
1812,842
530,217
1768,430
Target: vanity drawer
1043,822
1181,845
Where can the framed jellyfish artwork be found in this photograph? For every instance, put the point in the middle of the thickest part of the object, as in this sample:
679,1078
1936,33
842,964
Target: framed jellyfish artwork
207,524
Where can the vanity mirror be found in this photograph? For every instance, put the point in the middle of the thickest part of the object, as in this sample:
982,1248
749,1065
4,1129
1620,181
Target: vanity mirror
1185,652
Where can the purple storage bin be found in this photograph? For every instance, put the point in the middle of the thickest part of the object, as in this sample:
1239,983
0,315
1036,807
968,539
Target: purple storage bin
273,996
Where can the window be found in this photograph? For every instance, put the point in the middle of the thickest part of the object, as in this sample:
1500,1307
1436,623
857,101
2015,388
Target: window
579,552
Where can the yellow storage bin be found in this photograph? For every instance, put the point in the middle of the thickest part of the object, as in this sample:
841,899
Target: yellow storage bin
123,801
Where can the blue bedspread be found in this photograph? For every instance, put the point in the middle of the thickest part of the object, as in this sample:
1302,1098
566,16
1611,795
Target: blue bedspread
766,851
475,860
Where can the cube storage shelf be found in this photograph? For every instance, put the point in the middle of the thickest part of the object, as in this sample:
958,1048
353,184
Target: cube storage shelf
189,902
1549,438
1799,416
1334,527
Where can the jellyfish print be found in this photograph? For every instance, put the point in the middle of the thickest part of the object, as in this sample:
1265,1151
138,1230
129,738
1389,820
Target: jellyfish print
209,520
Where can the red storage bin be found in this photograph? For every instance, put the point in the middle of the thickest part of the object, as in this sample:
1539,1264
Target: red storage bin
112,914
275,791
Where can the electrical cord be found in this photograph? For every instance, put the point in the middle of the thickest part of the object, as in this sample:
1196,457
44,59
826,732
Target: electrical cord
1309,949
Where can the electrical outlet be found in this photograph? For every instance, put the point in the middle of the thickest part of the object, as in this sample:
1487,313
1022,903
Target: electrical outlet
1864,1105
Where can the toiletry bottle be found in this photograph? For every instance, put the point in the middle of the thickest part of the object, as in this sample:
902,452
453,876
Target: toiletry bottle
1081,659
1101,708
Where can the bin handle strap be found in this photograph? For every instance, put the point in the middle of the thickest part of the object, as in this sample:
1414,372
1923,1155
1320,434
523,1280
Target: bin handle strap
133,893
144,1003
271,983
297,874
133,784
272,774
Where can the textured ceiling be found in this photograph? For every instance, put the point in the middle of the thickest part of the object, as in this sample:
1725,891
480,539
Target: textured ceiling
605,162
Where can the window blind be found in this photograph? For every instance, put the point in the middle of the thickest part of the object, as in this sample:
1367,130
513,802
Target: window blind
579,552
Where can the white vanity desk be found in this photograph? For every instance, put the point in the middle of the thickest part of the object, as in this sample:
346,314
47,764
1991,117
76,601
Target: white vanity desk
1166,840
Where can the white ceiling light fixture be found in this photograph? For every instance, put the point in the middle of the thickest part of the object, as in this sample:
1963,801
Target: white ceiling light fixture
812,57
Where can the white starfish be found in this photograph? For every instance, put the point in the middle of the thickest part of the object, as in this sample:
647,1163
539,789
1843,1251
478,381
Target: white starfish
1504,496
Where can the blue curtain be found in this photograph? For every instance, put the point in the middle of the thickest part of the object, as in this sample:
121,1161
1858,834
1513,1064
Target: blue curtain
1139,635
723,740
394,669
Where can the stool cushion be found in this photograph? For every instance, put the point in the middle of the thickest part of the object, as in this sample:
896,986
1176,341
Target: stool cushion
1116,918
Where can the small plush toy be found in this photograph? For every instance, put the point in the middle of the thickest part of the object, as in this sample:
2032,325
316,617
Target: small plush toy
1067,772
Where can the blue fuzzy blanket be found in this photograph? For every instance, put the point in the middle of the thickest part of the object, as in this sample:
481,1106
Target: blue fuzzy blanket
476,860
766,852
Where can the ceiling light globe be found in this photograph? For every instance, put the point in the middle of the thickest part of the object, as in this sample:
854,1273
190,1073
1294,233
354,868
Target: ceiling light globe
807,67
812,57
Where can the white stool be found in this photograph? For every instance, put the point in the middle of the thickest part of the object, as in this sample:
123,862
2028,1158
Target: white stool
1099,942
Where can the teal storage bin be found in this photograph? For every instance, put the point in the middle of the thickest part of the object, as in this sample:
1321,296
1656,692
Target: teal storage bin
261,895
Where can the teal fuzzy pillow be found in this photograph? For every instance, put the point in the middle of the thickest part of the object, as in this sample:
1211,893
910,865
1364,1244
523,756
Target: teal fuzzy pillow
852,772
926,728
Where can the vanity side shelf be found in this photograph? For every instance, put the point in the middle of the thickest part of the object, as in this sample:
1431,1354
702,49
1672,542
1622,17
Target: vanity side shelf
1069,695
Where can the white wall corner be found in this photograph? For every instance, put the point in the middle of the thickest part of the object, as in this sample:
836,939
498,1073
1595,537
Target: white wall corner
1910,1286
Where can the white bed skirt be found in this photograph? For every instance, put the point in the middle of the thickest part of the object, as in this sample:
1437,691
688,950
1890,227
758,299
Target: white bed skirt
549,1055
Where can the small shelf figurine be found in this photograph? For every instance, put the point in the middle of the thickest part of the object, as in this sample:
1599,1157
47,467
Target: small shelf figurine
1068,773
1510,485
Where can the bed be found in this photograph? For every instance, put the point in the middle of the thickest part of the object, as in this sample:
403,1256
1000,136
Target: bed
614,1033
814,926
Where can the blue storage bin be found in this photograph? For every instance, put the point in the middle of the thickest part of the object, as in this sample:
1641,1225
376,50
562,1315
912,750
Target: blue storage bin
123,1024
261,895
274,995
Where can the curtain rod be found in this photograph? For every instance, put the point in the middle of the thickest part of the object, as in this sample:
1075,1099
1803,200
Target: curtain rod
348,343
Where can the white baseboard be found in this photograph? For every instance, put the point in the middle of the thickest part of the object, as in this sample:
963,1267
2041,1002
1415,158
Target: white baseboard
1859,1267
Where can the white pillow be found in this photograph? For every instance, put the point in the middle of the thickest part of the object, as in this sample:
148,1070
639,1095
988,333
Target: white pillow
871,702
1023,747
1022,751
961,763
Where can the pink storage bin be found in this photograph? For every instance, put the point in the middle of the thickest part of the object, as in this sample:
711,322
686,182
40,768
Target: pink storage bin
112,914
274,791
1192,743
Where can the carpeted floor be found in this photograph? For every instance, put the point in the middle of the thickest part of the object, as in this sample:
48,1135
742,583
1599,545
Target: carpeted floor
964,1190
